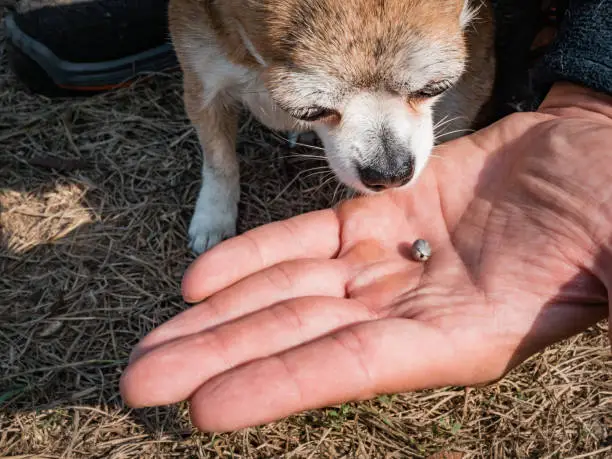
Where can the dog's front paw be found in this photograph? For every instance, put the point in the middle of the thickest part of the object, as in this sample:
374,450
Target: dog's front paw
207,230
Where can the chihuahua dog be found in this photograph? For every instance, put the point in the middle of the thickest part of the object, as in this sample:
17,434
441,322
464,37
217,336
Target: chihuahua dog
370,77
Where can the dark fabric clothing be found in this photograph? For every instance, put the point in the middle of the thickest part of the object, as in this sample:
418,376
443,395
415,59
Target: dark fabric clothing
581,52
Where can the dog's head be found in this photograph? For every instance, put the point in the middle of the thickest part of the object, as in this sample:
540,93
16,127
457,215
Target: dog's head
364,73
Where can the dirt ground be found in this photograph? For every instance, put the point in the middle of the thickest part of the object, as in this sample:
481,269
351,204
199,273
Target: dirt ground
95,197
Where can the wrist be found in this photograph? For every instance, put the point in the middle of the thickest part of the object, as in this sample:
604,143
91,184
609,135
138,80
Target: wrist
571,100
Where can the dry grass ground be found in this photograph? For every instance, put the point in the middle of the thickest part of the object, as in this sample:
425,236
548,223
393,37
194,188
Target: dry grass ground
95,196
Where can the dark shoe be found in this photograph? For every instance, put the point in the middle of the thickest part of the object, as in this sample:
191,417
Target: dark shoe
87,48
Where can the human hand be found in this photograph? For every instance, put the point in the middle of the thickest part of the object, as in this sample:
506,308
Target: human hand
328,307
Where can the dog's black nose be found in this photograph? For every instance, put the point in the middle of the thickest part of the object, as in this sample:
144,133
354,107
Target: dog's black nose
381,178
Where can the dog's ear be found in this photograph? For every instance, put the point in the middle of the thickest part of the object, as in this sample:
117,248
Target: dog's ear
469,12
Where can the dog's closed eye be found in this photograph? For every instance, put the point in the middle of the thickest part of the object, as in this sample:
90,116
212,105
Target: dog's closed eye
313,113
433,89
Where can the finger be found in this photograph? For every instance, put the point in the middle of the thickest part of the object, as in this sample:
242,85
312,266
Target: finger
278,283
172,372
355,363
312,235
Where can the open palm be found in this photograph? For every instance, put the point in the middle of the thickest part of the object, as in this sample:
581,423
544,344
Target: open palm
329,307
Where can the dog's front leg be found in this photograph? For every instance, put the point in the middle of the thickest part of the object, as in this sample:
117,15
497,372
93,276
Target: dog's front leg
216,122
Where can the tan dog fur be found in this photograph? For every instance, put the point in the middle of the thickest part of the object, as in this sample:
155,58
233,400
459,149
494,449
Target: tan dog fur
366,68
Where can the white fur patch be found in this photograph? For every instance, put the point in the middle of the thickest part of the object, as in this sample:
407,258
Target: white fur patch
215,71
469,12
216,211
